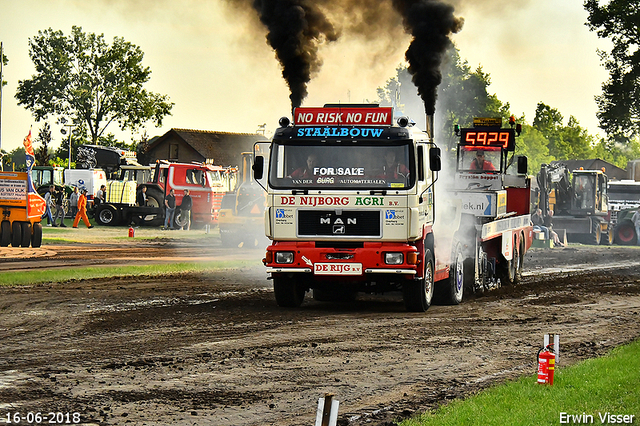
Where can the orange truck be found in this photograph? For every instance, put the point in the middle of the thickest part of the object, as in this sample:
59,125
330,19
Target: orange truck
22,210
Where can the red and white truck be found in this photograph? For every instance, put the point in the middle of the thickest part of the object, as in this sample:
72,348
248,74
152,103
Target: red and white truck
346,217
495,191
207,185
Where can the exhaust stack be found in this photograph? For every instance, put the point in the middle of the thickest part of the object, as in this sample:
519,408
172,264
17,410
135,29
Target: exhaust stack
429,128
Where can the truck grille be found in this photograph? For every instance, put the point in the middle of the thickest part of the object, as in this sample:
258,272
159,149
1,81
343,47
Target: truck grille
357,223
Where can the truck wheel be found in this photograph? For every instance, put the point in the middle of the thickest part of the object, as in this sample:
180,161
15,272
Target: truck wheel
16,234
154,199
507,269
517,279
607,237
5,238
26,234
417,294
229,238
36,238
625,233
107,215
450,291
179,218
289,291
596,233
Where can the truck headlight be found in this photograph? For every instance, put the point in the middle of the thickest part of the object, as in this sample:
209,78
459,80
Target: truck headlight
393,258
284,257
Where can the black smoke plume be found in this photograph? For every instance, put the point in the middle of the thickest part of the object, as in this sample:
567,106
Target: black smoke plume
430,23
295,29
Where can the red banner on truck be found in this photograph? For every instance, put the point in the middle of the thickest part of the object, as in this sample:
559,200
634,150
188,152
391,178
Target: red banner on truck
336,116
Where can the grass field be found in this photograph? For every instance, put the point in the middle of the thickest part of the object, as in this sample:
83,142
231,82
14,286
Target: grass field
588,392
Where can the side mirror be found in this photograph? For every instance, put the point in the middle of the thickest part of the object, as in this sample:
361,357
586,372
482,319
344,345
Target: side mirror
522,165
435,162
258,167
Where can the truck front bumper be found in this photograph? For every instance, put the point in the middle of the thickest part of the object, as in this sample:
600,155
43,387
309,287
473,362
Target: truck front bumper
356,263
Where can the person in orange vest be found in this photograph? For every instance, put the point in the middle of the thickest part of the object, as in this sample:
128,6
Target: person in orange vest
82,210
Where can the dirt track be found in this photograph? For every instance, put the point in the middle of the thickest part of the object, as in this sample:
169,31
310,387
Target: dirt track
215,349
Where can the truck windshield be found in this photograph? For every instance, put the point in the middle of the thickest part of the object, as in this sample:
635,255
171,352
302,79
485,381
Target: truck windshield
342,165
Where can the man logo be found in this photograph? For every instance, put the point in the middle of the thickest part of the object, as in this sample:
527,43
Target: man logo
338,221
339,229
279,213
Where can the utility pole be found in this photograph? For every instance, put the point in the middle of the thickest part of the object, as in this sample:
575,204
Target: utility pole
63,131
1,81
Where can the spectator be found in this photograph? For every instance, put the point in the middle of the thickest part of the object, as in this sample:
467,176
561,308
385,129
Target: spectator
82,210
185,207
552,233
60,212
170,206
636,222
100,196
141,198
49,202
538,223
73,202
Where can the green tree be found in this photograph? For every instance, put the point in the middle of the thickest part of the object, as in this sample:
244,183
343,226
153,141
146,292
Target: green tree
15,159
570,142
462,95
619,104
90,81
615,152
42,142
534,145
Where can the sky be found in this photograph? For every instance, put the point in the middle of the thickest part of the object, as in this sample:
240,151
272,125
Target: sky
215,65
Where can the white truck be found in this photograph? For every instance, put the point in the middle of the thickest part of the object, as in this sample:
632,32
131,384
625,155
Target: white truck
352,222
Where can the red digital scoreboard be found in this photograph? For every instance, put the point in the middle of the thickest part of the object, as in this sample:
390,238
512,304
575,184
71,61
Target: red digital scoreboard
488,137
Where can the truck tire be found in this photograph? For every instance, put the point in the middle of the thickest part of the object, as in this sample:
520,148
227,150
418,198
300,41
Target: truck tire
154,199
417,294
5,238
625,233
451,290
36,237
507,270
517,279
230,238
179,219
289,291
107,215
26,234
16,234
607,237
594,237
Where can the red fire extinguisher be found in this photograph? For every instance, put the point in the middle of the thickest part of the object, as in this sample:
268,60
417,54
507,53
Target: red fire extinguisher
131,232
546,365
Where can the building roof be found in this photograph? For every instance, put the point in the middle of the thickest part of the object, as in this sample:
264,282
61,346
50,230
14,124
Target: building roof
223,147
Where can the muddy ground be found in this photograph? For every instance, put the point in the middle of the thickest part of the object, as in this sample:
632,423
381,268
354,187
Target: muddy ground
214,349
